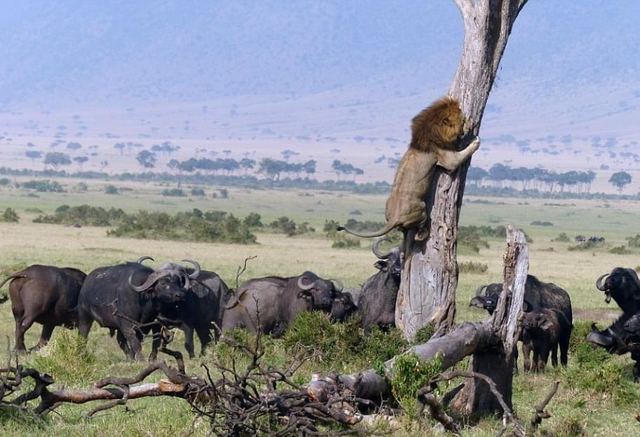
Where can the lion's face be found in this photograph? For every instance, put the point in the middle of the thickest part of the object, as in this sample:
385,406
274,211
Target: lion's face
439,125
452,126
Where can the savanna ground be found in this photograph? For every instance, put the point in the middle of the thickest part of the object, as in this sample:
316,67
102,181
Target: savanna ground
596,396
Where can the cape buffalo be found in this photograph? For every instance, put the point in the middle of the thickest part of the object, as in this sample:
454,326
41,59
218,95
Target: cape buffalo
377,301
44,294
538,296
125,296
203,305
623,286
271,303
543,332
342,307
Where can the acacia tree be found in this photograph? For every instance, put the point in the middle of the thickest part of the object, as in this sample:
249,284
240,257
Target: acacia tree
620,180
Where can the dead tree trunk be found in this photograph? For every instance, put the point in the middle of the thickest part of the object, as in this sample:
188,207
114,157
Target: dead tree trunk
491,342
430,277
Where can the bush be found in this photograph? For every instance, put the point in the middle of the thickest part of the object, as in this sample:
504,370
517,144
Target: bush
197,192
111,189
67,359
84,215
588,245
620,250
290,228
44,186
345,241
82,187
425,333
173,192
4,182
562,238
9,216
224,193
214,226
634,241
472,267
253,220
410,375
539,223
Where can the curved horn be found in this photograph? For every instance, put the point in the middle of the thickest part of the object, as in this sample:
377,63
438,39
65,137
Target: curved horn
143,259
376,249
480,290
337,284
302,286
196,268
151,279
599,282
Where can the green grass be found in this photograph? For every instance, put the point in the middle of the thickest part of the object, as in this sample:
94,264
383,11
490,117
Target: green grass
581,402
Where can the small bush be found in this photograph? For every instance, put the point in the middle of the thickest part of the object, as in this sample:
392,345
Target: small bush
9,216
111,189
634,241
620,250
82,186
44,186
410,375
197,192
4,182
253,220
588,245
290,228
84,215
562,238
173,192
473,267
224,193
345,241
425,333
355,212
539,223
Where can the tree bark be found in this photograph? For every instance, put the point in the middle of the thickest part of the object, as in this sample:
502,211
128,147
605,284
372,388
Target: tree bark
497,363
430,276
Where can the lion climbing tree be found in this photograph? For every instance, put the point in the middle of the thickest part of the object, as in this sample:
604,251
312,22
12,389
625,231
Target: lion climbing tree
430,276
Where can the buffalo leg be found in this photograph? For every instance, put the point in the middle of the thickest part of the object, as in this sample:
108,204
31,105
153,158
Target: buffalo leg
84,324
156,340
134,351
22,325
554,355
526,352
544,357
122,342
45,336
188,340
536,357
204,334
564,348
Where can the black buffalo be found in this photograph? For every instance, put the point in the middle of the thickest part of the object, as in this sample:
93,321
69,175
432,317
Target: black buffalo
201,311
126,296
377,301
538,296
342,307
270,304
44,294
544,330
623,286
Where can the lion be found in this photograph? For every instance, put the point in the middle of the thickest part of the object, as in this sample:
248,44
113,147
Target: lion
435,132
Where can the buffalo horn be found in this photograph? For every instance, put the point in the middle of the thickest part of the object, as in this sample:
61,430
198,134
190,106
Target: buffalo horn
196,268
302,286
337,284
599,282
376,248
480,290
143,259
151,279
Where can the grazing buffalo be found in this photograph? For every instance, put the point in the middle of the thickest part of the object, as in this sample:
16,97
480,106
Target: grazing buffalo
270,304
44,294
596,240
126,296
623,286
580,239
377,301
342,307
538,296
543,331
203,306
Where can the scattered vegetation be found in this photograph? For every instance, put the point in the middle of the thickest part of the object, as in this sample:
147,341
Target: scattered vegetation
43,186
541,223
620,250
410,375
634,241
290,228
562,238
174,192
9,216
111,189
344,241
587,245
84,215
472,267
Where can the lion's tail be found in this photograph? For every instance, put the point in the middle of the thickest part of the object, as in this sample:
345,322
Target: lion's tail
384,231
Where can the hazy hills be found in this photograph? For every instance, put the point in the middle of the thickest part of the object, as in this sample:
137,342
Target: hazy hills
273,74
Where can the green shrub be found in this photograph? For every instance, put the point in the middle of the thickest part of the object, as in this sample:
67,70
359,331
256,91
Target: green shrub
540,223
425,333
588,245
634,241
84,214
44,186
620,250
290,228
197,192
82,186
4,182
111,189
224,193
345,241
472,267
9,216
173,192
562,238
409,375
253,220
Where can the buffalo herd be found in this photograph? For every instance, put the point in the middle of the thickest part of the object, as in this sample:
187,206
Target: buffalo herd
134,300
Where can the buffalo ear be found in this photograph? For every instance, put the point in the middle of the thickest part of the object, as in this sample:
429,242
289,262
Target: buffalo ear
526,306
199,289
380,265
478,301
305,294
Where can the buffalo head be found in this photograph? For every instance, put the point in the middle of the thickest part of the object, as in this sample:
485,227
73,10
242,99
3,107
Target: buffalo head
320,292
623,286
168,283
487,297
388,261
342,307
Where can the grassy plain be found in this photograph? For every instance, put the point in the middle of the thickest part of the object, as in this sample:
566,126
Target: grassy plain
27,243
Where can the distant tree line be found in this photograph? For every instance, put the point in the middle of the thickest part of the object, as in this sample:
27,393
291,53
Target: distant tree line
538,179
